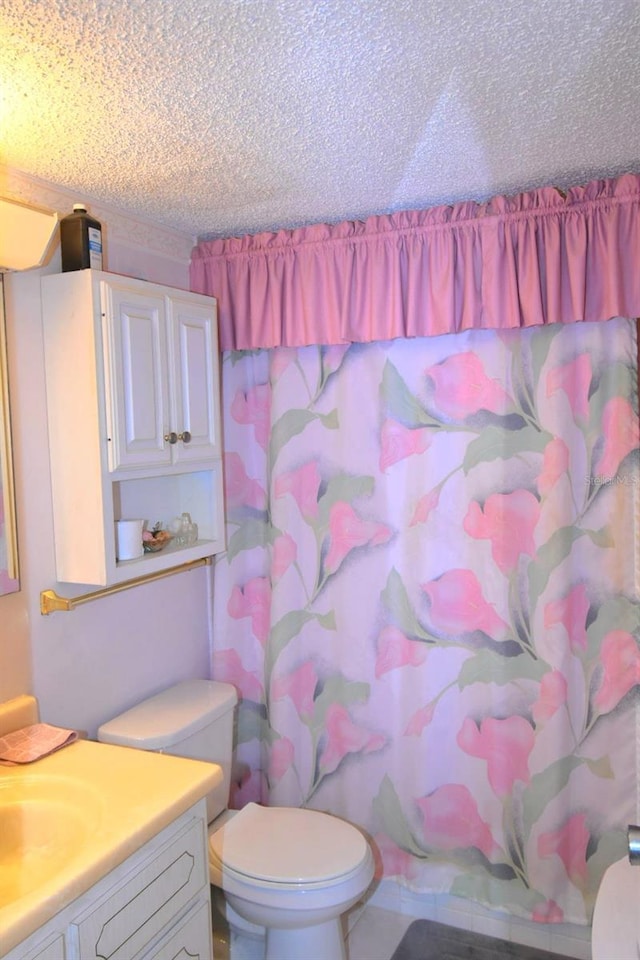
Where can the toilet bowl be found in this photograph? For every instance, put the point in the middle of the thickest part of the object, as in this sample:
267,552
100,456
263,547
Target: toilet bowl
287,874
615,932
293,872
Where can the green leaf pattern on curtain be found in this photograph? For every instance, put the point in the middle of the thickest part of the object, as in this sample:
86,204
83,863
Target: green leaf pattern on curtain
428,603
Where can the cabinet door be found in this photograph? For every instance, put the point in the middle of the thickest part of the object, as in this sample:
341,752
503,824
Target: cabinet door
134,912
53,948
191,939
194,361
136,377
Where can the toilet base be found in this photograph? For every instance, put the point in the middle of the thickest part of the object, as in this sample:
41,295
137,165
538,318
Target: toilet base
323,941
234,937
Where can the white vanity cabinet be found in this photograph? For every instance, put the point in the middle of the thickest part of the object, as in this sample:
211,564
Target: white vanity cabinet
133,394
154,906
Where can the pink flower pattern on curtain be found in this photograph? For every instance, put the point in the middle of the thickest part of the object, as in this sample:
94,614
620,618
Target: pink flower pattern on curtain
428,602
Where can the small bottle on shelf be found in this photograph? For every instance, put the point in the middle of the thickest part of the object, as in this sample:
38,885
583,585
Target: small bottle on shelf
190,529
184,531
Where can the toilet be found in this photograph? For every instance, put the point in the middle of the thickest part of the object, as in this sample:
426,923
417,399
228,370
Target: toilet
286,874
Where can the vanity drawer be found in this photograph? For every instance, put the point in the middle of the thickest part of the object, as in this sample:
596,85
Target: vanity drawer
52,949
190,939
131,915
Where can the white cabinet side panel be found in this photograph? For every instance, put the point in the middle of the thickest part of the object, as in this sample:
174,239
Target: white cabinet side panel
76,428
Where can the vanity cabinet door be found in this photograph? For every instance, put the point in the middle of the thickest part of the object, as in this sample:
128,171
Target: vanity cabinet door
123,924
52,948
136,376
190,939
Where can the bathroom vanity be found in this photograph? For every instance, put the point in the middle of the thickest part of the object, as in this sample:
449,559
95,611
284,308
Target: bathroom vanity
153,905
103,854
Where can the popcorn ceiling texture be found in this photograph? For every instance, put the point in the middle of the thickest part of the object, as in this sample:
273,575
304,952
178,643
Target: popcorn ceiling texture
225,117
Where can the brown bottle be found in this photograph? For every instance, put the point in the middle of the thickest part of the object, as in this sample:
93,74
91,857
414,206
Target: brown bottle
80,240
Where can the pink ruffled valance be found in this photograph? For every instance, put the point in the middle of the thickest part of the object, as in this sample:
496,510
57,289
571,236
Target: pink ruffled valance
535,258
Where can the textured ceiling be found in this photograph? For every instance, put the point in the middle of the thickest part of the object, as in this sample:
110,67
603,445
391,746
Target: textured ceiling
225,117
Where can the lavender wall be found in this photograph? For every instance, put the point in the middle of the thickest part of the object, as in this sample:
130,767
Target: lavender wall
86,665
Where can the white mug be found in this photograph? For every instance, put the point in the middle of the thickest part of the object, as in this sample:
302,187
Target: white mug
129,539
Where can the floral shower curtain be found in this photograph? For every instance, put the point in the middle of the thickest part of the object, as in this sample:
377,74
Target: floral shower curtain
429,599
428,602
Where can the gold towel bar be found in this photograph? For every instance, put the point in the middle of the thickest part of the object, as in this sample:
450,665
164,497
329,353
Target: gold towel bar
50,602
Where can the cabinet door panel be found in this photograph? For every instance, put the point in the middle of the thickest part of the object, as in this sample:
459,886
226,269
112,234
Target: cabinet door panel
122,924
191,939
53,949
195,362
136,378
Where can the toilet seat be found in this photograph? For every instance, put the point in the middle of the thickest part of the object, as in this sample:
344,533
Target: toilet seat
287,847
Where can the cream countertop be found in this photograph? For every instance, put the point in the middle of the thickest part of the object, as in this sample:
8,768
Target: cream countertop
128,797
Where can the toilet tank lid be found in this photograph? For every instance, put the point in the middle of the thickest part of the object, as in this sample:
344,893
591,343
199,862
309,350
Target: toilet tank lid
170,716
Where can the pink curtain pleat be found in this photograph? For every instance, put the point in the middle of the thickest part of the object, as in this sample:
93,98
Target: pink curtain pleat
513,262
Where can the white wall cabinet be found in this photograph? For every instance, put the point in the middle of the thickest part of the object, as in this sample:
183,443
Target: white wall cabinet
154,906
161,377
133,394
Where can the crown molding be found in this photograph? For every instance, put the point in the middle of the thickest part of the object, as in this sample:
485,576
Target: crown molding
119,226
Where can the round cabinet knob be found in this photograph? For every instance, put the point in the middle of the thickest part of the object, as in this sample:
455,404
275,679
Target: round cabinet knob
171,437
185,436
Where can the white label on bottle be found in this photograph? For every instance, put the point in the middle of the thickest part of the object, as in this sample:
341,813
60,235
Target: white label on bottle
95,248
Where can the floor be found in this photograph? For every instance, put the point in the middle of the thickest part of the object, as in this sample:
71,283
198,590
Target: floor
373,933
376,932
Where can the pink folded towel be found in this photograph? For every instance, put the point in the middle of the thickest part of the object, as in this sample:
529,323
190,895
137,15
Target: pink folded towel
33,742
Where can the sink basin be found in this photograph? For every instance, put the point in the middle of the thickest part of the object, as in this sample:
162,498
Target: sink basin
44,823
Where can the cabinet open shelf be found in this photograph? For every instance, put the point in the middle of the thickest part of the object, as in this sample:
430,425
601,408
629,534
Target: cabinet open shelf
164,560
161,499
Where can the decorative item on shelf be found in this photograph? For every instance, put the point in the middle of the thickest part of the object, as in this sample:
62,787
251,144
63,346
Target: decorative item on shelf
184,531
155,539
190,529
175,528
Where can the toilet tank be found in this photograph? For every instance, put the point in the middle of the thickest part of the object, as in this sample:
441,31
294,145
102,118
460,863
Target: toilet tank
191,719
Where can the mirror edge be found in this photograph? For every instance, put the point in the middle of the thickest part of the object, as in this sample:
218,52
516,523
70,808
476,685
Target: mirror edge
7,482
